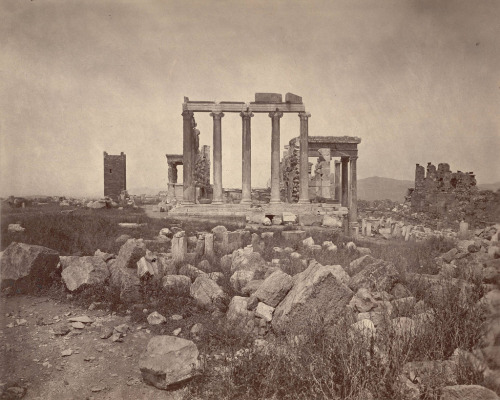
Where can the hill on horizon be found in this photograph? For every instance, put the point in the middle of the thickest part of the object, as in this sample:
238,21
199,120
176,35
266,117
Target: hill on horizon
379,188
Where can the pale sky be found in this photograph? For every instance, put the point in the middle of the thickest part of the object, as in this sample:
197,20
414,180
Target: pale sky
417,80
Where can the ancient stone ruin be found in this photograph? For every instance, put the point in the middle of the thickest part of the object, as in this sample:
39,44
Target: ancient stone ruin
115,175
291,178
440,190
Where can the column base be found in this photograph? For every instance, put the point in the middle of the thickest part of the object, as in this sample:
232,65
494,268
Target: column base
217,202
301,201
275,202
246,202
187,203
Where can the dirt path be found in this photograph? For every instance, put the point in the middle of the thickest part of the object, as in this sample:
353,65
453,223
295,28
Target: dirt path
31,353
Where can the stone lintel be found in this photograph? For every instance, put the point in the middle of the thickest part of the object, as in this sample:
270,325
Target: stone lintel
326,140
174,158
238,107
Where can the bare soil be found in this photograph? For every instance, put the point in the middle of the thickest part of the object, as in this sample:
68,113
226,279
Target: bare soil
31,353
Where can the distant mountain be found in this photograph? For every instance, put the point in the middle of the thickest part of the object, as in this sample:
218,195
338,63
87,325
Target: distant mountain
377,188
489,186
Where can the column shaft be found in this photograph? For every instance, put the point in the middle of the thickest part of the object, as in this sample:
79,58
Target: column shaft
217,195
337,181
275,157
188,194
304,158
353,198
345,181
246,158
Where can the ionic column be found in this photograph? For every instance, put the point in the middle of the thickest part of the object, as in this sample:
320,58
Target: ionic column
337,181
246,158
304,155
217,199
188,194
353,187
345,181
275,157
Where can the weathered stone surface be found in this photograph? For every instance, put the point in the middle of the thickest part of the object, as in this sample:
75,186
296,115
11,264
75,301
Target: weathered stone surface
238,313
241,278
166,264
205,266
208,294
252,286
264,311
105,256
428,372
84,271
363,301
217,277
331,222
191,272
360,263
378,277
293,236
147,268
127,281
177,284
155,318
308,242
317,291
130,253
274,288
25,266
467,392
399,291
293,98
15,228
248,261
364,328
268,98
168,360
288,218
266,221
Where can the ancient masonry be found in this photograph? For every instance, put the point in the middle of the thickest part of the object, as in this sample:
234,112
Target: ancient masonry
291,176
115,175
440,190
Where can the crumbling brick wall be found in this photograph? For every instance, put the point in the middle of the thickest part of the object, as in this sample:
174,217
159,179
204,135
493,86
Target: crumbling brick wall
440,190
115,175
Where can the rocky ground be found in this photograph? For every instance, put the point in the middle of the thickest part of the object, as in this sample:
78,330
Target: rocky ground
46,356
268,286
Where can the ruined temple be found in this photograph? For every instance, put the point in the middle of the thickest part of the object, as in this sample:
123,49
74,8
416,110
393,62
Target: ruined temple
440,190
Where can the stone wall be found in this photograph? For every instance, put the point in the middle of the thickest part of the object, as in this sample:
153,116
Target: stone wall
440,190
115,175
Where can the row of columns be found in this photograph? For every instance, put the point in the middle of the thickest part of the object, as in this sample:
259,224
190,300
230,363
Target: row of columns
189,157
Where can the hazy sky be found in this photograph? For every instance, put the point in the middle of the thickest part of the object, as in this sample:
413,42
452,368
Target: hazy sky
417,80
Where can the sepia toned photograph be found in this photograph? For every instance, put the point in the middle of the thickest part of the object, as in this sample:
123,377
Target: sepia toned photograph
250,200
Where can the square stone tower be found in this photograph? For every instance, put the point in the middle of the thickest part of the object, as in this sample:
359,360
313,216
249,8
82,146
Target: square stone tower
115,175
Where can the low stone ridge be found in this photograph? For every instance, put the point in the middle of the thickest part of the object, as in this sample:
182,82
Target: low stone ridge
84,271
168,361
26,266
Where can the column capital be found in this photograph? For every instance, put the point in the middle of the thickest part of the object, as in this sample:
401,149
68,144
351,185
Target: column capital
275,114
246,114
304,115
353,158
187,114
217,115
